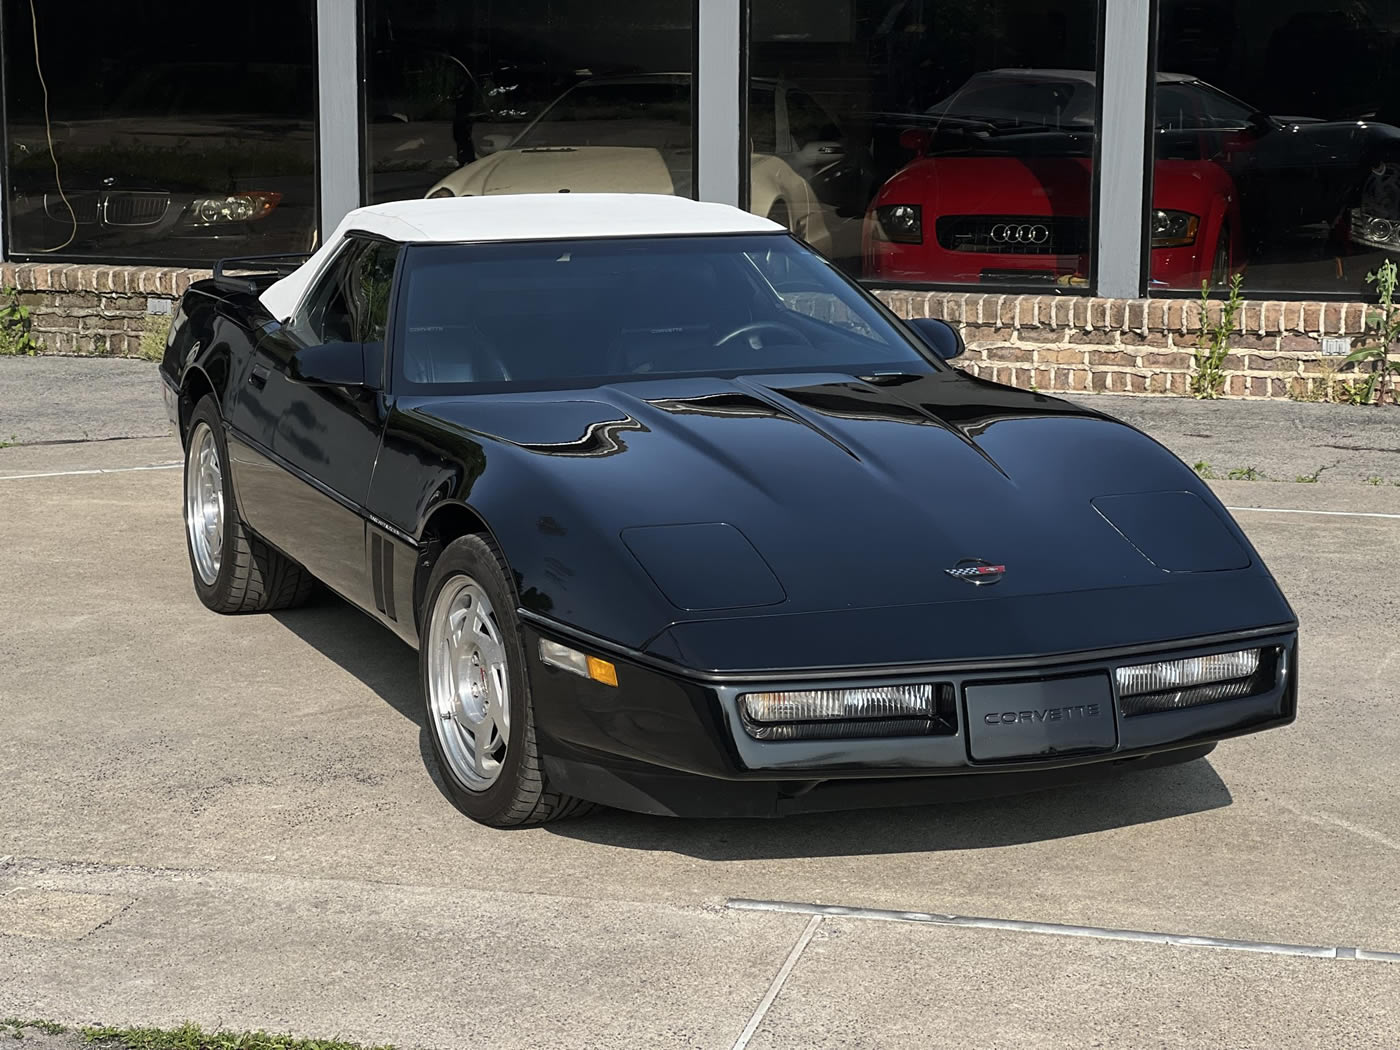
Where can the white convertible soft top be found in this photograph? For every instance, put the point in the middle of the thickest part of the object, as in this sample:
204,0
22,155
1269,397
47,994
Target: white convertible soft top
519,217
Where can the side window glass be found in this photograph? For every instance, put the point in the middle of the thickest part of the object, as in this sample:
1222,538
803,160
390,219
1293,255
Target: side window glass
325,314
350,302
372,281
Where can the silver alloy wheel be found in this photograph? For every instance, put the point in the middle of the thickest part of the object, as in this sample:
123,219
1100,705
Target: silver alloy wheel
468,682
204,503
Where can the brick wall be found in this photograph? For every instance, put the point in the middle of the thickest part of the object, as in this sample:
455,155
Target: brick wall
94,310
1053,343
1140,346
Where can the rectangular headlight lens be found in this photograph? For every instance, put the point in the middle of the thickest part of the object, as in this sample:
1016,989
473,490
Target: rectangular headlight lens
819,705
927,709
902,223
1194,671
1173,229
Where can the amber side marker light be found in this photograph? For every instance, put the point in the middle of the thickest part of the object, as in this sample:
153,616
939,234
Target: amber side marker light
575,662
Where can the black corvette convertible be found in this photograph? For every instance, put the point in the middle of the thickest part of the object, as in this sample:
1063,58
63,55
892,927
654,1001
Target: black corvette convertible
682,521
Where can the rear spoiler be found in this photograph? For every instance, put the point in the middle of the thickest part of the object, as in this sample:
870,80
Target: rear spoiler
255,270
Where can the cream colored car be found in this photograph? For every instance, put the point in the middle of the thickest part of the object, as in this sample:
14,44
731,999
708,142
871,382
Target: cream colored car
632,134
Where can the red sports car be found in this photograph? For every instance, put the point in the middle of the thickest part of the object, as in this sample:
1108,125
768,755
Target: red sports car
1000,186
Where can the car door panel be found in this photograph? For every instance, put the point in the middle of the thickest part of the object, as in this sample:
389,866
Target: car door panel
309,450
327,439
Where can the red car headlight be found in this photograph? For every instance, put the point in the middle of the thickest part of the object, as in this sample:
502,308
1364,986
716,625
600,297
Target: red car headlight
901,223
1174,229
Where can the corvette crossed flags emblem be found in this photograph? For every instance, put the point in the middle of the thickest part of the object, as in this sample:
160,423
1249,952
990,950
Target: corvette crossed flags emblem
977,572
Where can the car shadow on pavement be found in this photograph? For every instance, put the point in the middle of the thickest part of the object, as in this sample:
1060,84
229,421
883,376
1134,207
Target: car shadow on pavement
385,665
369,651
1125,800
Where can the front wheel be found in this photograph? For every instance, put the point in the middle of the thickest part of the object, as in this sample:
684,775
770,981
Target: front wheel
1220,265
476,693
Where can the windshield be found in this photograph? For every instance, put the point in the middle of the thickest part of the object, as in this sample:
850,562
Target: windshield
1022,102
577,313
1192,105
626,113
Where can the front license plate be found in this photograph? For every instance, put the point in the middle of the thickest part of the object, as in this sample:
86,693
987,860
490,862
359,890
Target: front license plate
1033,719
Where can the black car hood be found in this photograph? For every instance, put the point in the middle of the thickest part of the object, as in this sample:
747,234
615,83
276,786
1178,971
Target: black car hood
861,493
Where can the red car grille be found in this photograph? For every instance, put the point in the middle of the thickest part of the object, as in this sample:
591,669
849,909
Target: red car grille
1013,234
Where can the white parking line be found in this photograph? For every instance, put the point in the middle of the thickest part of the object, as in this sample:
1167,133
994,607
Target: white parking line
1059,929
1328,513
97,470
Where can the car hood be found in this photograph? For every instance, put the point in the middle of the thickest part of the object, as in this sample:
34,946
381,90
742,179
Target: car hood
1049,186
560,169
854,494
995,185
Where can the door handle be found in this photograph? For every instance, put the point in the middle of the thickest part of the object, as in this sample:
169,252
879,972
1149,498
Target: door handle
258,376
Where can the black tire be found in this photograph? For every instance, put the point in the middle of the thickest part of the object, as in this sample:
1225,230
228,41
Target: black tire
1220,262
252,577
521,794
779,213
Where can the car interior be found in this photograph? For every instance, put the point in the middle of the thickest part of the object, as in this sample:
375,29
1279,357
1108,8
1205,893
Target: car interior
532,317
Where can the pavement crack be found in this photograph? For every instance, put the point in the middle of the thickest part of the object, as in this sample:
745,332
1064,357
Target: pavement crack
1326,820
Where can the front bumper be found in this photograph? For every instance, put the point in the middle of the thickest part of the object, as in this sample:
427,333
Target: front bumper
1181,268
671,742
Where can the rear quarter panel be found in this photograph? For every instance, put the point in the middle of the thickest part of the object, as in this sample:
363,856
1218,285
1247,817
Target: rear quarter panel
210,346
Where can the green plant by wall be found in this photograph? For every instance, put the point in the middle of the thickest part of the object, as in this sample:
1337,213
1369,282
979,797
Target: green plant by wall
16,335
154,336
1383,327
1213,343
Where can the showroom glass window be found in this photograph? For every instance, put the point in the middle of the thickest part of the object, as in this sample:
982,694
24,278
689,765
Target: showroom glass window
172,137
536,96
1277,145
944,142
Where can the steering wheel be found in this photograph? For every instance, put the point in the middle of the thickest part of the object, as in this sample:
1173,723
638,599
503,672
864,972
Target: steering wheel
753,328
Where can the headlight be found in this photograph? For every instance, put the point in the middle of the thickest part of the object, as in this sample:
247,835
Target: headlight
902,223
441,191
1173,229
887,710
1374,231
236,207
1173,684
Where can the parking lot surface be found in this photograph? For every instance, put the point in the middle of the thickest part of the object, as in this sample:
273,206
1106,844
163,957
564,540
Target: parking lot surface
230,820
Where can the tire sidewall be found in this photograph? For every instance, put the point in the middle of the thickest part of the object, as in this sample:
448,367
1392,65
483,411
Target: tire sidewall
1222,249
215,594
474,557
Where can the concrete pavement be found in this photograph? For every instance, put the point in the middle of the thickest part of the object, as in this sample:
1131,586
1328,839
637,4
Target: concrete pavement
230,820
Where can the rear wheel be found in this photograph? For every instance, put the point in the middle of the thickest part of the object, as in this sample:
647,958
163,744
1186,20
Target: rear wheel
480,718
779,213
234,571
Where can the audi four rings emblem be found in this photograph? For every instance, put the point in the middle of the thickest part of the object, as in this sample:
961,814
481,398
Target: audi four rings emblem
1020,233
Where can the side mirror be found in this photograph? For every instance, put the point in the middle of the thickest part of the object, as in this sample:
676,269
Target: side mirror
939,336
916,140
330,364
1260,123
821,151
